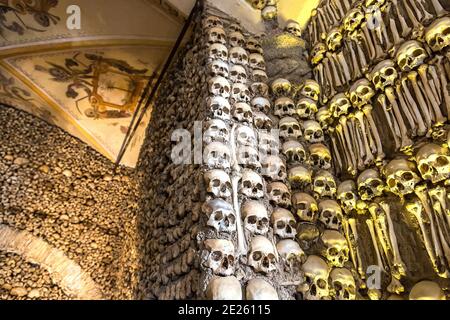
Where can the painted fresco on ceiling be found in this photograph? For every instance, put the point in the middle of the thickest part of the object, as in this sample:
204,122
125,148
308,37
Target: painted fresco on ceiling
19,16
99,88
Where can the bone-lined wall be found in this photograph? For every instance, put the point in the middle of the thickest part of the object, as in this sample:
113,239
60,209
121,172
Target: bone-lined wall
383,70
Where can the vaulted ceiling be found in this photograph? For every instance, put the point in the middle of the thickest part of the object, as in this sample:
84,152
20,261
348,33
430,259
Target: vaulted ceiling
88,80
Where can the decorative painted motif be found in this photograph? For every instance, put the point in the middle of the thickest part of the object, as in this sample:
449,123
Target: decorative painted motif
15,14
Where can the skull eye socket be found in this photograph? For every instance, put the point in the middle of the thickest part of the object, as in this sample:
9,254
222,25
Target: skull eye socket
442,161
257,255
417,53
319,183
281,225
424,167
391,183
389,72
216,183
218,215
407,176
216,255
321,283
252,219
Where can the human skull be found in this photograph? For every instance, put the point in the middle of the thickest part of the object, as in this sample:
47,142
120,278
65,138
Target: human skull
242,112
319,156
237,39
274,168
294,152
256,218
284,107
384,74
410,55
269,143
281,87
216,130
248,157
330,214
316,273
238,56
217,155
261,104
353,19
279,195
221,256
246,136
220,108
427,290
361,93
283,223
224,288
218,183
324,117
238,74
370,185
252,185
219,68
305,206
212,22
310,89
401,176
220,215
438,34
262,121
240,93
318,53
299,177
340,105
259,89
433,163
269,13
256,61
293,28
306,108
258,4
260,289
235,27
217,35
324,184
313,131
289,129
219,86
218,51
290,252
308,234
334,39
262,255
336,248
347,195
343,286
253,45
259,76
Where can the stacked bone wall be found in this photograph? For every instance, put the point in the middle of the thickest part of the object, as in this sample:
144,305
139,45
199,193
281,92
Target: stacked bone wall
63,210
383,68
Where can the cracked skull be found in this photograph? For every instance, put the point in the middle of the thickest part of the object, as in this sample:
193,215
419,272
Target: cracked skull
220,215
218,183
305,206
221,256
411,55
336,248
262,255
279,195
252,185
284,223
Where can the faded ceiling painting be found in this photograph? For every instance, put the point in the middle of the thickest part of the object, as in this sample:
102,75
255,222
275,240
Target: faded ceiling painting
87,81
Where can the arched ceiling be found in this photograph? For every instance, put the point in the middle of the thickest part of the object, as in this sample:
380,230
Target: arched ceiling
88,81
